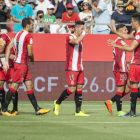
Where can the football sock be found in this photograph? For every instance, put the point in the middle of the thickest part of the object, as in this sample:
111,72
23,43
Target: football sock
10,92
119,101
113,99
32,99
133,98
63,96
2,96
78,100
15,101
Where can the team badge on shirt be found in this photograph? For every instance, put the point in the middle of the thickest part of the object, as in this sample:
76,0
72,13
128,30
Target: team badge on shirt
123,43
137,37
70,37
31,41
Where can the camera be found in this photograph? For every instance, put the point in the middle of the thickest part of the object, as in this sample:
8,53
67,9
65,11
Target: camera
40,16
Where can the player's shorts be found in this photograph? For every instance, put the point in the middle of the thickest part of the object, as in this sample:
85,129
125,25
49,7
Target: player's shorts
75,78
21,73
134,73
7,75
121,78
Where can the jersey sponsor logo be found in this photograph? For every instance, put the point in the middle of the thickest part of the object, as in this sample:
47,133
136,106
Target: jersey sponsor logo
31,41
1,39
137,37
123,43
71,37
22,13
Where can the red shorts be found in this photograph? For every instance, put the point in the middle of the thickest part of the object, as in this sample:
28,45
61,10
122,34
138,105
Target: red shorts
7,75
21,73
121,78
75,78
134,73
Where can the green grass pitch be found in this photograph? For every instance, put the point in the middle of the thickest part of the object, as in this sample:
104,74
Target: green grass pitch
99,126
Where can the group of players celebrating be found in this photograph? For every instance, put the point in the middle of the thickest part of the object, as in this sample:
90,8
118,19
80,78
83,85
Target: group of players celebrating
14,69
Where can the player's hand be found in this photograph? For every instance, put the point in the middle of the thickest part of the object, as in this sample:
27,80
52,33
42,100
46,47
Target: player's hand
5,66
112,28
111,43
12,56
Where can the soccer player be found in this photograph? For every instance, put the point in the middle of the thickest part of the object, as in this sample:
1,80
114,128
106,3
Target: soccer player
6,76
134,73
120,72
23,42
74,68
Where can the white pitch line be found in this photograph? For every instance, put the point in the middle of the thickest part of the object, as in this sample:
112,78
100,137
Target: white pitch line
69,122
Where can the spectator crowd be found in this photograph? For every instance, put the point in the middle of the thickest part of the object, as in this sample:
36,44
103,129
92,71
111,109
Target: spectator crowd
49,14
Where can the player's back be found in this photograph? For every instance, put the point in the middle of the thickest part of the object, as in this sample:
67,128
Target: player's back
136,52
119,57
73,54
21,41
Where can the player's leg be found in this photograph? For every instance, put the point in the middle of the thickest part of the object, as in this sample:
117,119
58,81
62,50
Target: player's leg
9,79
71,79
15,101
78,94
14,87
63,96
134,76
2,93
119,93
32,98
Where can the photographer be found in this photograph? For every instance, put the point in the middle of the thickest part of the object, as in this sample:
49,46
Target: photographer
4,15
38,27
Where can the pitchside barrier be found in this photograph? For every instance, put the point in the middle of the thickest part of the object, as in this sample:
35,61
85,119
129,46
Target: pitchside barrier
48,72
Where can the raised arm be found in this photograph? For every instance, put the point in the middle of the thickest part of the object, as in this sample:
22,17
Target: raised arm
124,48
78,39
125,36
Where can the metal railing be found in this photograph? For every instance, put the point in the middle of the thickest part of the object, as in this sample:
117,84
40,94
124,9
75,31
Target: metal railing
89,24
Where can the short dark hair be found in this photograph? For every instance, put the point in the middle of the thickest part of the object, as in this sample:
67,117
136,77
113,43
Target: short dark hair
79,23
136,17
26,21
39,12
120,26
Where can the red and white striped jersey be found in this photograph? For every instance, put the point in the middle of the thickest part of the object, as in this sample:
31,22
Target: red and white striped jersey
6,40
73,55
21,41
136,53
119,56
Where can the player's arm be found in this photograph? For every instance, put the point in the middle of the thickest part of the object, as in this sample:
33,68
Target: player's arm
78,39
8,50
30,54
124,48
125,36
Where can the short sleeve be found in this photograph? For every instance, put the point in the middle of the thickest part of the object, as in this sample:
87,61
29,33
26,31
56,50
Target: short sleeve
120,42
137,37
29,40
13,11
69,38
114,16
77,17
102,5
30,10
